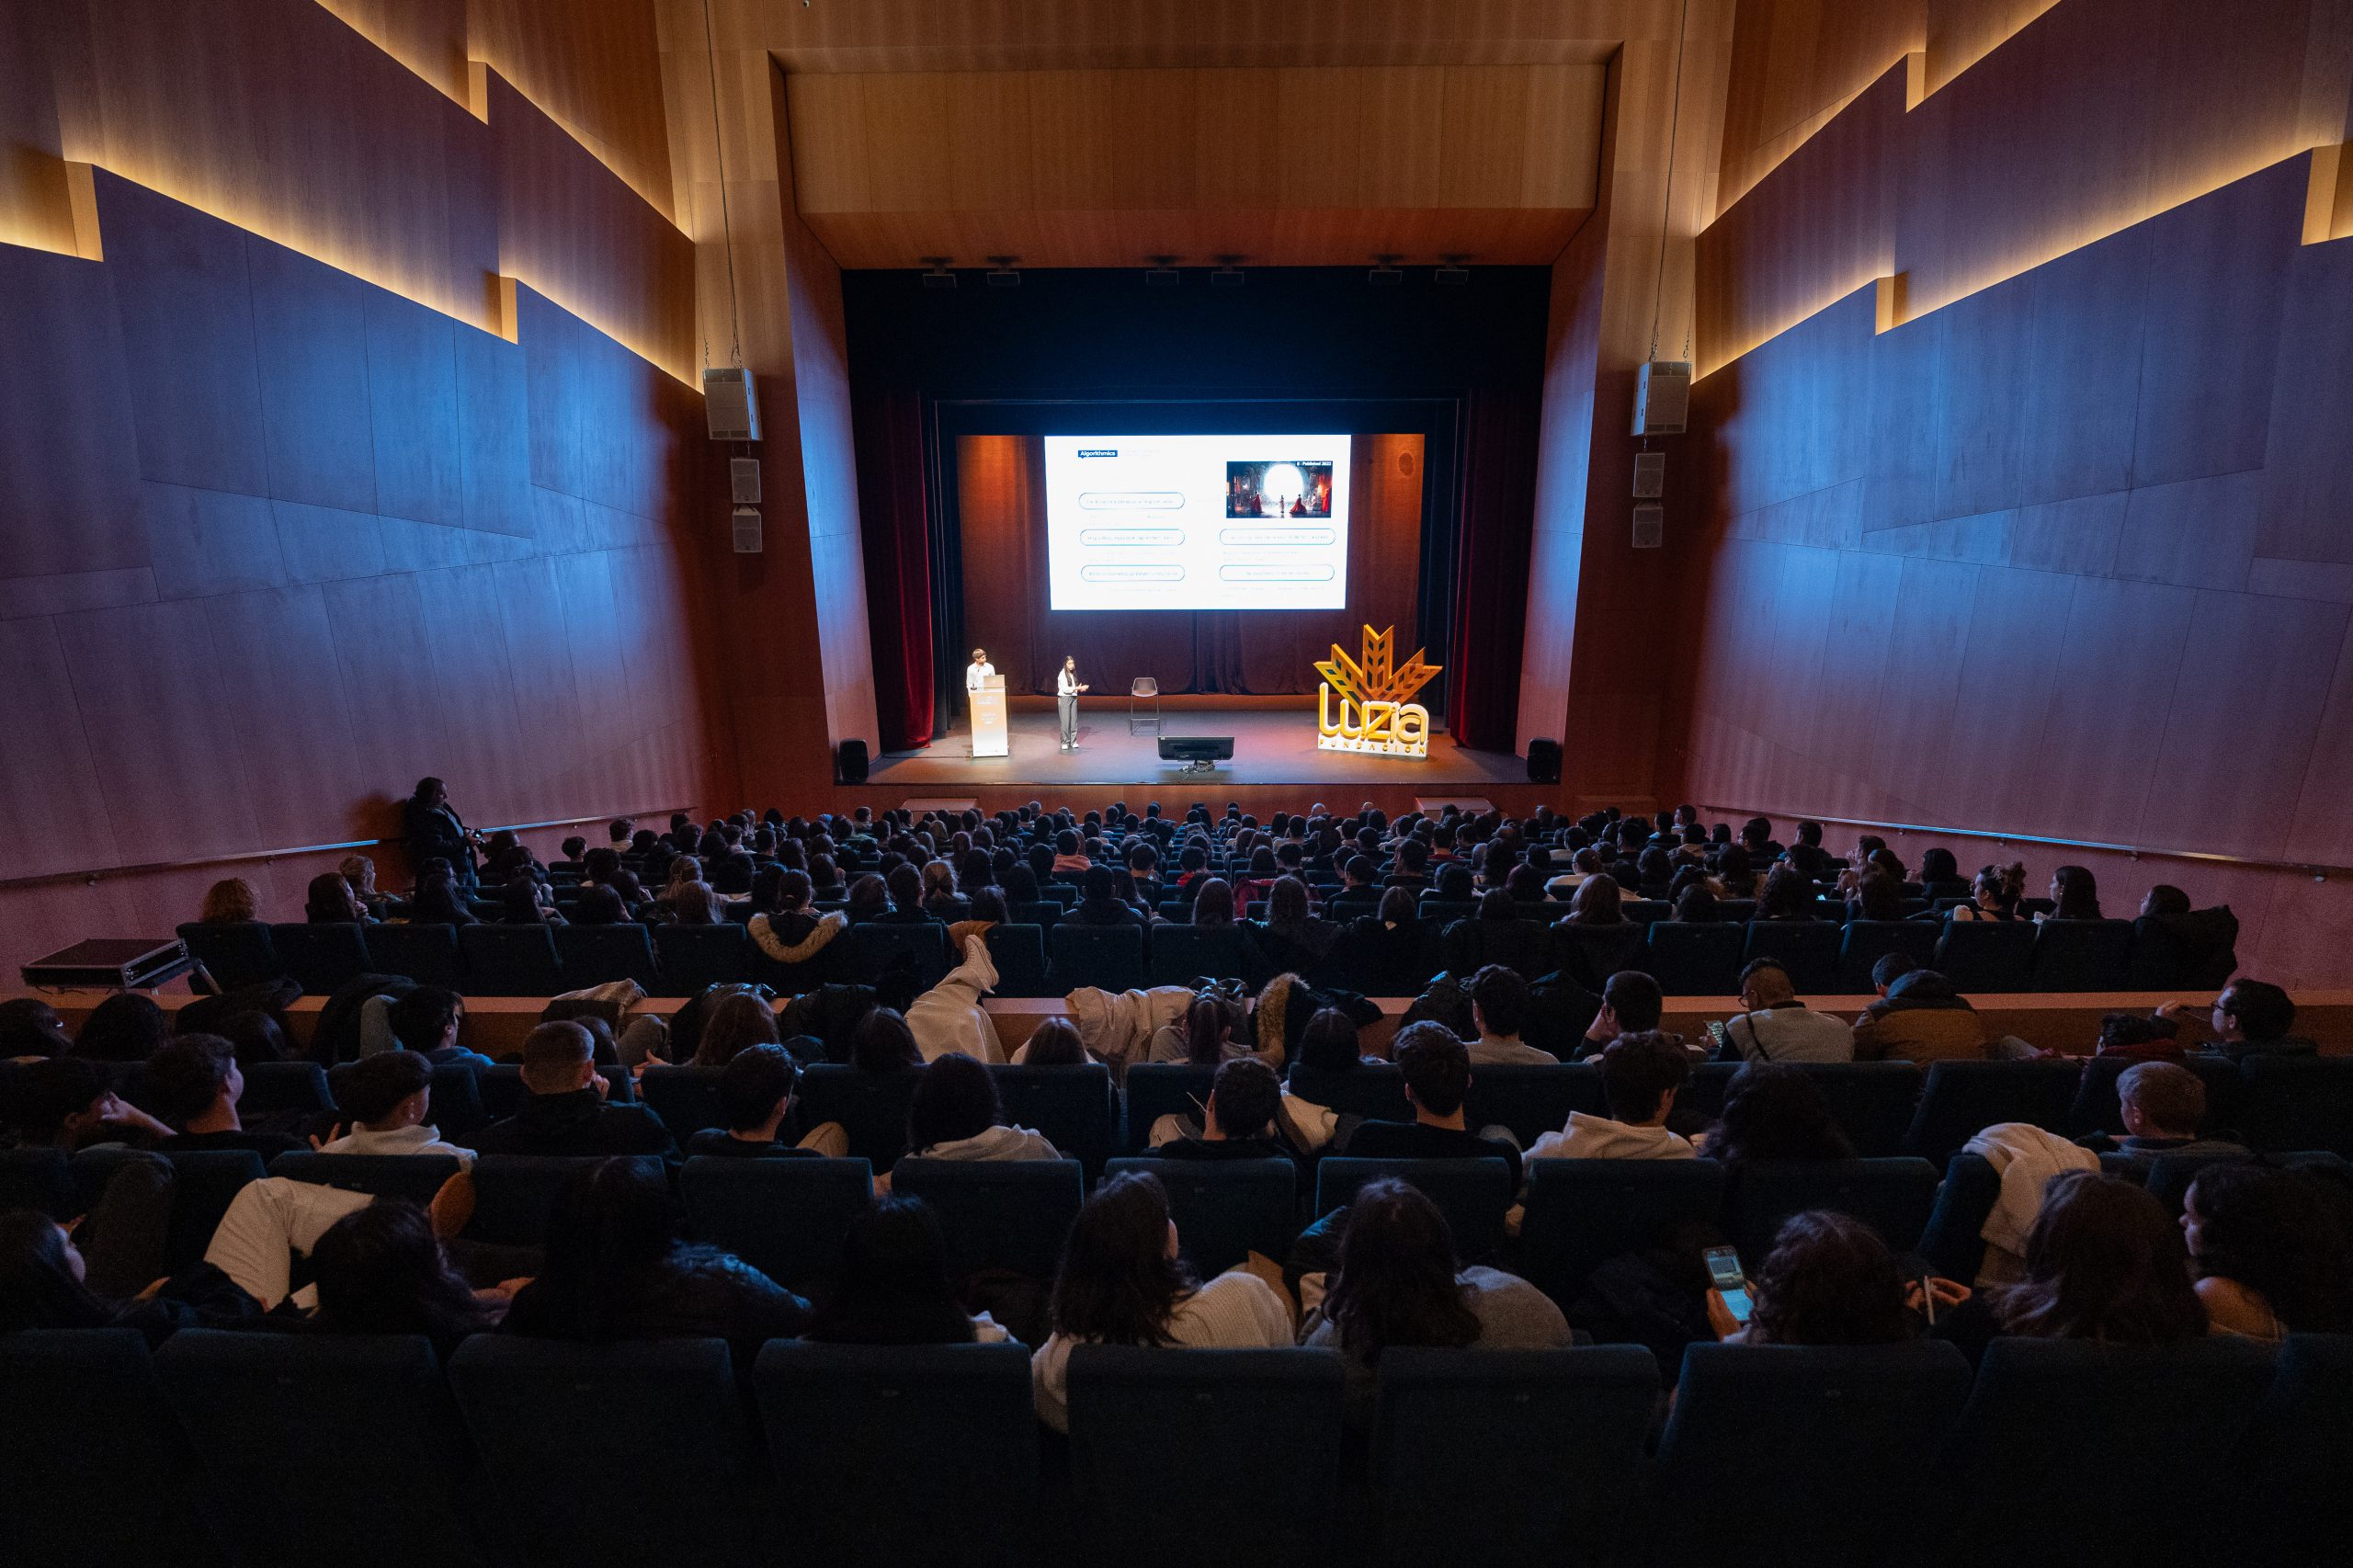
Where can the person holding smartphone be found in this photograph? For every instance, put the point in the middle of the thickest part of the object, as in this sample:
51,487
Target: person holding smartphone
1828,1281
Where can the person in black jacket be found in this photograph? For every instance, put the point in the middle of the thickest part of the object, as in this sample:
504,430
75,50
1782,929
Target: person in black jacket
616,1271
432,828
563,1109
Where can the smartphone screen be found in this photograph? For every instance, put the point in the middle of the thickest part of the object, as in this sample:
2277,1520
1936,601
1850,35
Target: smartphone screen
1723,1272
1716,1033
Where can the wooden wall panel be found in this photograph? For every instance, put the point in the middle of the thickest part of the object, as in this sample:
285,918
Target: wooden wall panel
70,477
576,235
36,208
1795,63
593,66
1280,165
426,36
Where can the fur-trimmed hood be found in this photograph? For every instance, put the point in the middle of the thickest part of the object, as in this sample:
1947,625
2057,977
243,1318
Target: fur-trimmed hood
831,923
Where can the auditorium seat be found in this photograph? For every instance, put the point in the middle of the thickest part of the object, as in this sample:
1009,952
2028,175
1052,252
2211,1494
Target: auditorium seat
1531,1100
204,1183
1156,1089
1243,1443
427,954
1695,958
685,1098
1591,954
514,1194
787,1217
1954,1241
873,948
789,979
693,956
1373,1091
1582,1214
1987,954
2097,1110
1225,1209
2299,1509
1108,958
1075,1108
871,1107
1043,912
284,1089
1020,954
300,1437
1181,954
618,1454
1783,1456
1893,1195
2040,1406
512,961
856,1438
235,953
1472,1194
2081,955
1867,941
597,955
1873,1101
1960,1099
1644,912
38,1178
2168,1176
414,1177
94,1465
322,958
2297,1102
1509,1456
997,1214
1808,949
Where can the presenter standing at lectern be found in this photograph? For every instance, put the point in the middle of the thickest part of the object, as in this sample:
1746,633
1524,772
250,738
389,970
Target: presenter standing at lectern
976,675
1066,690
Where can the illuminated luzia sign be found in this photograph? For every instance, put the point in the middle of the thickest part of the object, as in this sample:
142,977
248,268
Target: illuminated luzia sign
1375,710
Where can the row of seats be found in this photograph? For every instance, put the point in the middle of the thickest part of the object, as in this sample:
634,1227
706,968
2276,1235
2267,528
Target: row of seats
222,1447
788,1217
1037,955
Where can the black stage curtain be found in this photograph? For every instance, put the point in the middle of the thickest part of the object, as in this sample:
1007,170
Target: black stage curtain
1496,530
895,526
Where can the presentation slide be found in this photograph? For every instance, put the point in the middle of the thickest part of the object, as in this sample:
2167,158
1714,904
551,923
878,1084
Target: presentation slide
1198,522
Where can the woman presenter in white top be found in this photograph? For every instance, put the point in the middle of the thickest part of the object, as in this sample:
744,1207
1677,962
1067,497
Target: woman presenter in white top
1066,690
976,674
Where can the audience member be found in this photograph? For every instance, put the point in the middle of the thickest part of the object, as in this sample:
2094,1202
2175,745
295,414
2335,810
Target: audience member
1828,1281
2273,1250
126,1026
194,1085
1631,1002
1640,1075
562,1108
1436,1067
1777,1027
230,902
616,1271
955,1114
1123,1281
44,1285
1775,1111
1055,1042
1499,1008
1922,1018
2164,1104
2074,894
2251,1018
31,1030
386,1098
737,1021
426,1020
892,1287
381,1270
755,1094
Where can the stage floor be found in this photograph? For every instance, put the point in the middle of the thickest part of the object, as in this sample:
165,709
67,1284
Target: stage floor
1270,746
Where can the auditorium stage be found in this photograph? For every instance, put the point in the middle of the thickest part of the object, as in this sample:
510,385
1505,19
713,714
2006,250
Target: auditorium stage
1272,745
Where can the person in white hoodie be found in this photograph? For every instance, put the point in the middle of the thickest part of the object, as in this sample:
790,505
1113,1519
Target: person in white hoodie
388,1097
1640,1075
955,1114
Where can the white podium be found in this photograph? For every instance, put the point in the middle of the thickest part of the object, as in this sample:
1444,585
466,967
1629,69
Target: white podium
988,717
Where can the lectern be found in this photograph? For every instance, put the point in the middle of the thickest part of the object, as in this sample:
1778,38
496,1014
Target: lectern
988,717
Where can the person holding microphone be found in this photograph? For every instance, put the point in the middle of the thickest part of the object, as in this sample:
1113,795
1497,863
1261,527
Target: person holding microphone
1066,690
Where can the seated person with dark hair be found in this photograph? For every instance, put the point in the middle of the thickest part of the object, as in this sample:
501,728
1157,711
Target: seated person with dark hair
2138,1038
1245,1103
2251,1018
1498,1009
1099,902
67,1102
425,1020
194,1082
387,1098
562,1111
1640,1075
1437,1068
1923,1018
1631,1002
1776,1026
755,1093
30,1030
2163,1104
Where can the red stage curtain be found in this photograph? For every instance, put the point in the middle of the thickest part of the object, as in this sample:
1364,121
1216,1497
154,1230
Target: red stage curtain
1001,500
1490,567
895,529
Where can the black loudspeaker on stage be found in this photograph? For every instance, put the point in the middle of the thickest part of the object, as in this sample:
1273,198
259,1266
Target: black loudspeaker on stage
850,763
1543,761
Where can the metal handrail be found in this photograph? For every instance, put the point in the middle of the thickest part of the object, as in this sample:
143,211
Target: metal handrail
93,875
2320,871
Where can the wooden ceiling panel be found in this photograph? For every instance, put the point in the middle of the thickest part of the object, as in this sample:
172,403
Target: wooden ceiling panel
1286,166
